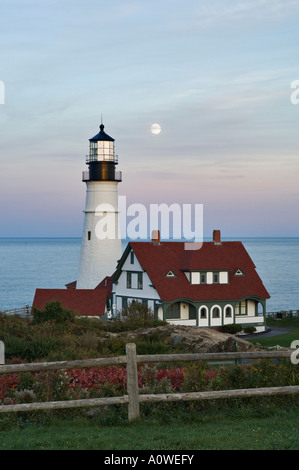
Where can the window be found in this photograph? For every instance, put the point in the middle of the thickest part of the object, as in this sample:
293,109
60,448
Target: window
132,257
140,280
195,278
173,311
241,308
215,278
228,312
223,277
216,312
203,312
88,235
124,303
93,150
192,312
203,278
129,280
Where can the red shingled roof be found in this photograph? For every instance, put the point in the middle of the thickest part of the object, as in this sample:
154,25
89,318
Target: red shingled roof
106,283
87,302
158,260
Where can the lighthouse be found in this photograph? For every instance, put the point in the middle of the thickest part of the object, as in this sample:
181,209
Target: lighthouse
101,241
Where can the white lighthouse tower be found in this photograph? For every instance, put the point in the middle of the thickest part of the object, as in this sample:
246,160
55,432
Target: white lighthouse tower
101,241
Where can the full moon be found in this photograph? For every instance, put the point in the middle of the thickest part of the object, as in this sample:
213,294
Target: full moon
155,129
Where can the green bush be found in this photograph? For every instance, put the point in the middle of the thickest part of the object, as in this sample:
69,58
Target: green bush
195,377
249,330
16,347
40,347
137,315
231,328
13,325
258,373
53,311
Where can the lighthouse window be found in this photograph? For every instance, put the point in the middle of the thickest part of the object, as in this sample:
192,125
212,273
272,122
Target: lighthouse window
93,149
88,235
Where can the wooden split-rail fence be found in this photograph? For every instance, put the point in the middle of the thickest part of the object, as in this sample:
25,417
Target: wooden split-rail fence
134,398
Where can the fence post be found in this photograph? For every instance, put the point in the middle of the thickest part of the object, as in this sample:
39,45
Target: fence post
2,357
132,382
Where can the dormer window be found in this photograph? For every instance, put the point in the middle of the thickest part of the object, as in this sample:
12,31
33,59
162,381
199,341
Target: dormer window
207,277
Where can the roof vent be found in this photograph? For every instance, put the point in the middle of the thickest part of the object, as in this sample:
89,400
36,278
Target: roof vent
170,274
217,237
239,272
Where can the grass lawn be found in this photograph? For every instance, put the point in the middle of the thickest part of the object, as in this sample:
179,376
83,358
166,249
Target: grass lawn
284,340
239,429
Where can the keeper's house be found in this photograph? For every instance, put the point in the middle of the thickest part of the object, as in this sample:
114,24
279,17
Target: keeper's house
213,286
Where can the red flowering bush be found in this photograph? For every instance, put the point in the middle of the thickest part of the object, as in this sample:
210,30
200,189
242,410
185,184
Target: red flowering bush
8,383
93,379
175,376
90,382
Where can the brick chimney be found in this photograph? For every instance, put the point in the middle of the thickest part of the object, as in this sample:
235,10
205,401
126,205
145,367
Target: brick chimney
217,237
156,237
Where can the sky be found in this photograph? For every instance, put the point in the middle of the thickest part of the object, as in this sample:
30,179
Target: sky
215,75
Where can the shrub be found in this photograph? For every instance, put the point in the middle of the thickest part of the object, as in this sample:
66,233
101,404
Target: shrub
231,328
137,315
25,396
15,346
249,330
259,373
53,311
195,377
40,347
89,340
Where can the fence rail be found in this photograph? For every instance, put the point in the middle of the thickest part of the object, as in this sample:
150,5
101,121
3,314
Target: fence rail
22,311
133,397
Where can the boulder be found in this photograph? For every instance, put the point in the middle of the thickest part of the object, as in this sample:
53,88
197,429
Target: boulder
193,339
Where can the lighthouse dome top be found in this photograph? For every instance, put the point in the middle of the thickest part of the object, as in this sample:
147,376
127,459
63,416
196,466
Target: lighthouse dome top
102,136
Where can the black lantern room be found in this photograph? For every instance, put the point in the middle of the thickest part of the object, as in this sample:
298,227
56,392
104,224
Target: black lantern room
101,160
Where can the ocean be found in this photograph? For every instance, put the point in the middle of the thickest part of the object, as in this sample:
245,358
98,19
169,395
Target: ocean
30,263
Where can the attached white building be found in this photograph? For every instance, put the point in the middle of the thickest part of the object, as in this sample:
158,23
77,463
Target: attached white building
210,287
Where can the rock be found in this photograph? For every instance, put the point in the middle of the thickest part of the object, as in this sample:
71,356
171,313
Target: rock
208,340
191,338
